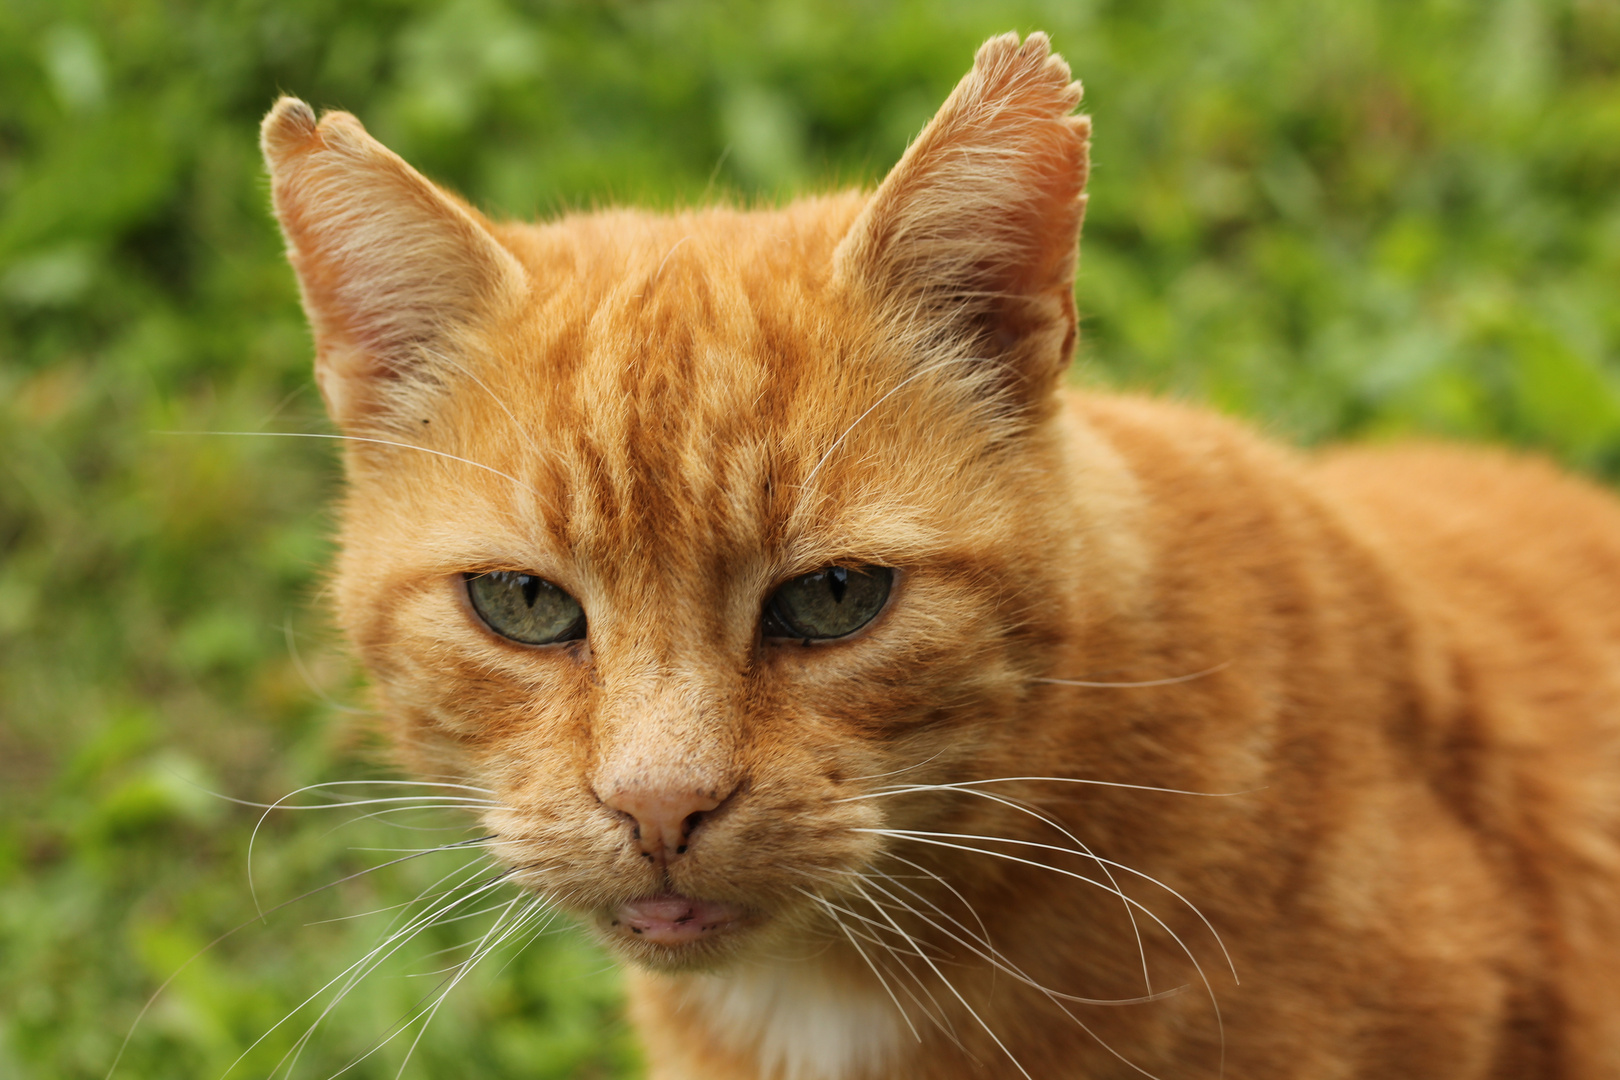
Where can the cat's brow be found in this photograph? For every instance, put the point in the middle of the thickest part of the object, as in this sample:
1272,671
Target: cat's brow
926,369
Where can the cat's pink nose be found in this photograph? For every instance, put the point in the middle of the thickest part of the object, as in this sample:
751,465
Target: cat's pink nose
664,818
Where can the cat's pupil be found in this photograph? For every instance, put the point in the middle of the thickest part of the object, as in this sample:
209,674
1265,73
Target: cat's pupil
838,583
531,588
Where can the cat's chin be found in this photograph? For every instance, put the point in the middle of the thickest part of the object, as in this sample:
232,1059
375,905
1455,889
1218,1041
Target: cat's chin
672,932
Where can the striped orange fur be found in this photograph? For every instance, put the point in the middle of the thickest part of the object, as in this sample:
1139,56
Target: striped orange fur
1172,752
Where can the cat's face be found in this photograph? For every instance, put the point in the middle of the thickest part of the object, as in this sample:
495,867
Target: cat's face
687,537
673,440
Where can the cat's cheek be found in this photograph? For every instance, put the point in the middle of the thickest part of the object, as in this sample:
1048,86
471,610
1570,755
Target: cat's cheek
556,843
484,700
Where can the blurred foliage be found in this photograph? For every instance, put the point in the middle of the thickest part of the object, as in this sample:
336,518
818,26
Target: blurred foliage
1349,217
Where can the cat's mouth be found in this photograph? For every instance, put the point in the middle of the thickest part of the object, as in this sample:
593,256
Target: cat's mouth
673,922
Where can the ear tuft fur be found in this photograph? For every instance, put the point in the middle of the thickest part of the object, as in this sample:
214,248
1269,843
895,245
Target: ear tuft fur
287,129
1028,74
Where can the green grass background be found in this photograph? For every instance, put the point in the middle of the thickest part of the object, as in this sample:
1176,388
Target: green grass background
1363,218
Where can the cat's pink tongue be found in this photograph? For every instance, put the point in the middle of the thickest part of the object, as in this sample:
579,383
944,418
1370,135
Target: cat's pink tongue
672,919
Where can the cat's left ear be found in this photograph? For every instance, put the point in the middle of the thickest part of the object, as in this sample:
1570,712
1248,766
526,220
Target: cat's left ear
391,267
970,242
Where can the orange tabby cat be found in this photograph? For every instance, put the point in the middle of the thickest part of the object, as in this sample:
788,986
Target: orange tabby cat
897,712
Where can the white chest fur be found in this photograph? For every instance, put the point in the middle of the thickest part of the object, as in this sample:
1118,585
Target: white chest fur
800,1021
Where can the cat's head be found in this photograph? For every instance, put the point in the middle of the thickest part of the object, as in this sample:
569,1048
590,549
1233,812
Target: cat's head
686,536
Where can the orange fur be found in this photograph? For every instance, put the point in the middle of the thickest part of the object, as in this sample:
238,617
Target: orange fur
1360,712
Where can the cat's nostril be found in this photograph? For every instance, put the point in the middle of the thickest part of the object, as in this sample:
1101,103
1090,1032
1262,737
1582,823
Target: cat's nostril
664,820
687,825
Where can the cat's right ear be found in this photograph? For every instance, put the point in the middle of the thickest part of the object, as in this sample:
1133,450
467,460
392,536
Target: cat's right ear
390,266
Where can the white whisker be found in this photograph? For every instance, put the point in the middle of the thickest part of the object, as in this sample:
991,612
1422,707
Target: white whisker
1095,858
356,971
426,892
927,369
365,439
542,906
937,1015
1083,849
480,841
1172,681
1001,963
483,949
416,1012
949,986
984,931
906,789
832,907
305,674
259,916
896,772
283,804
1056,998
831,911
667,254
1182,945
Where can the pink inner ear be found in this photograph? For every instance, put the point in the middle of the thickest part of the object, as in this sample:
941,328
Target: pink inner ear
389,265
977,227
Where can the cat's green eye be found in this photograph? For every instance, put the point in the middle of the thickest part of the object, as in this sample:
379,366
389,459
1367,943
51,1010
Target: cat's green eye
525,608
830,603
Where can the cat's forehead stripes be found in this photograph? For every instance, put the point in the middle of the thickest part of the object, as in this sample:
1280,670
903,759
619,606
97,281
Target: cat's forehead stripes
678,401
665,386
